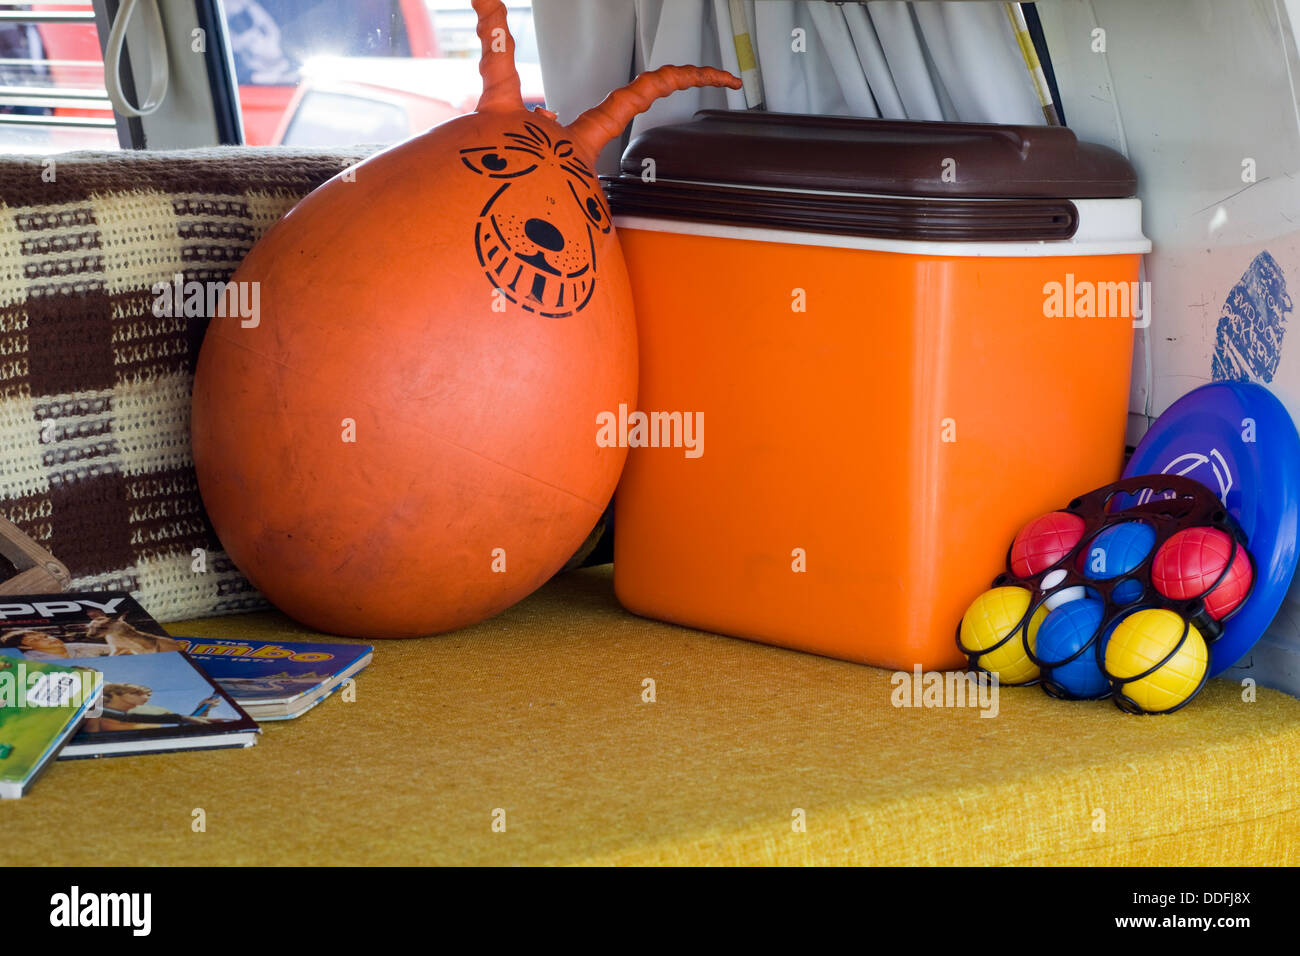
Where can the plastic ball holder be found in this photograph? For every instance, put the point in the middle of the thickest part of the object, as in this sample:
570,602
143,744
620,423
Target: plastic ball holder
1166,505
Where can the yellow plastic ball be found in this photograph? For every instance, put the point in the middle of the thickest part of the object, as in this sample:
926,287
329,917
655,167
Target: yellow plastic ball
990,618
1141,641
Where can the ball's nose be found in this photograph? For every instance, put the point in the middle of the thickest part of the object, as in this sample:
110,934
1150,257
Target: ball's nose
544,235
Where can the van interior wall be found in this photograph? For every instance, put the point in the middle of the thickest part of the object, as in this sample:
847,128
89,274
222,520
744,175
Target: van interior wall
1201,96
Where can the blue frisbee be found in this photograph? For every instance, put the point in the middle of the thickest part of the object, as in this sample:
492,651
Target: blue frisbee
1238,440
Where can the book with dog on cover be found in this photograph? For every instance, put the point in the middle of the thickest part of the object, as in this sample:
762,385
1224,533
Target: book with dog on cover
63,627
277,680
41,705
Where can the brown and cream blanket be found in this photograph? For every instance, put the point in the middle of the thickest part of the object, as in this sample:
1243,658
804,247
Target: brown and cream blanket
94,386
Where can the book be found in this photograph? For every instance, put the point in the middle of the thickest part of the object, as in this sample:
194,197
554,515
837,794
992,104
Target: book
61,627
41,705
277,680
154,698
159,702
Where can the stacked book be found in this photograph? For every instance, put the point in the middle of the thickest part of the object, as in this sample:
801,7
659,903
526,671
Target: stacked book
93,675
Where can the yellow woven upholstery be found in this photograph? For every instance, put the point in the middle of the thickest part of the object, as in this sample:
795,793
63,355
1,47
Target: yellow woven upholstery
539,712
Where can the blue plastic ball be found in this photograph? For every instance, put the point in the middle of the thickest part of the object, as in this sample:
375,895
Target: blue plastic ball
1067,629
1127,592
1116,551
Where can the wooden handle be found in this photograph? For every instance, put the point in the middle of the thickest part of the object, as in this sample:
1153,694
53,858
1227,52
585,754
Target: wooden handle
39,572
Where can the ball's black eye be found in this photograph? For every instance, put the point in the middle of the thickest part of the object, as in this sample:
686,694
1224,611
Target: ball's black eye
593,208
494,162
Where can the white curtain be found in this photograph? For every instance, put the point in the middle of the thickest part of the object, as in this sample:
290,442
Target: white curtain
923,60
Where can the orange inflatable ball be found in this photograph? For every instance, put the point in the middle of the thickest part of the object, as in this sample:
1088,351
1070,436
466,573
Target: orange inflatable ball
404,440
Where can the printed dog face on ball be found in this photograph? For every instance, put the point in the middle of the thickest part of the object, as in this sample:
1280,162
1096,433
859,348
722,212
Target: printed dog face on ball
528,241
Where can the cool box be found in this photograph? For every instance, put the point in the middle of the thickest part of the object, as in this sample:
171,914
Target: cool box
903,341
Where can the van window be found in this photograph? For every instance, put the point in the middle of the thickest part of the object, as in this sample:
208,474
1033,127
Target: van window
52,94
340,72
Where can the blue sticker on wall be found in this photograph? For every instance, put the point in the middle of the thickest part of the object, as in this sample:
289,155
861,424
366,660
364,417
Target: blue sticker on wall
1248,341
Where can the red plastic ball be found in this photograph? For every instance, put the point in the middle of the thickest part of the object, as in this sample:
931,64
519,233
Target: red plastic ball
1188,564
1044,541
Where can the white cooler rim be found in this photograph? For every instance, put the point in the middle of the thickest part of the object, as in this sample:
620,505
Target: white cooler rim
1107,227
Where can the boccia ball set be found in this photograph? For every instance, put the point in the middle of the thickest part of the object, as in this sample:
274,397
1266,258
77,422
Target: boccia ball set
1119,594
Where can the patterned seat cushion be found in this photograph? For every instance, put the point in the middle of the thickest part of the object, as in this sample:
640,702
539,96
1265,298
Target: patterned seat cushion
94,386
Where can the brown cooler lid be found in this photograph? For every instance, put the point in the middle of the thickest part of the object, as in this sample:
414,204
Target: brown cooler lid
885,157
909,180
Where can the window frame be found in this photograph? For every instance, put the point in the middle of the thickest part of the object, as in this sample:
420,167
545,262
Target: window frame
201,107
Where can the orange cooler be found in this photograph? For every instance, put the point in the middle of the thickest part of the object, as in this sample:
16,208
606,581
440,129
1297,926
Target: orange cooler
902,342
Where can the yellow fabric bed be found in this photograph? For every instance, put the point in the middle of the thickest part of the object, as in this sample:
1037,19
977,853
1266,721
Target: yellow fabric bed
539,713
